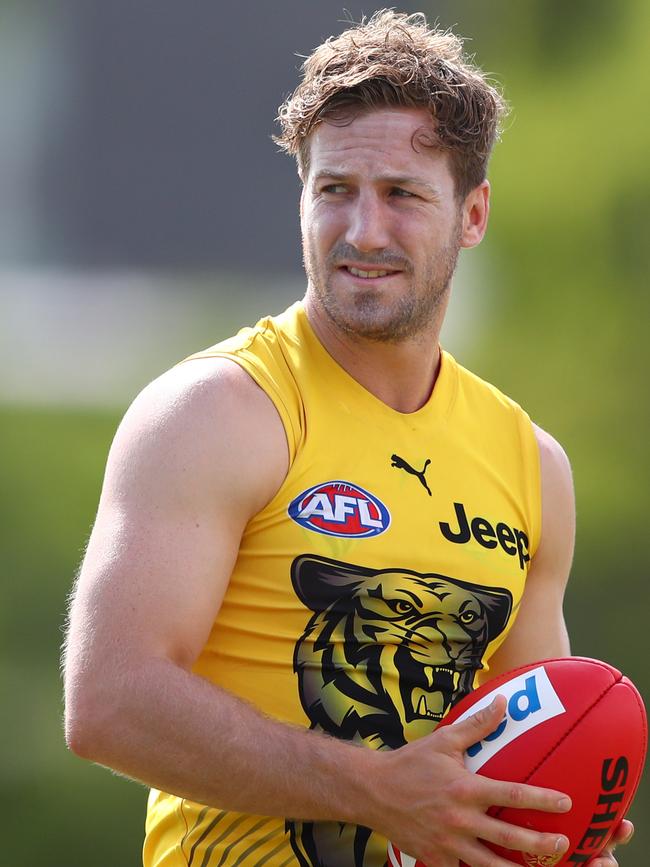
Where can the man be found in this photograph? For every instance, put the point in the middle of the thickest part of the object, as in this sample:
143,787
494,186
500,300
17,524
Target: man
314,538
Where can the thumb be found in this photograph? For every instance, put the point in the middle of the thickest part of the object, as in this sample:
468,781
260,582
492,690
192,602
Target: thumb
479,725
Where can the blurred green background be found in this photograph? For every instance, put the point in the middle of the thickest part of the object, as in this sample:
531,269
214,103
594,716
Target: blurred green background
553,308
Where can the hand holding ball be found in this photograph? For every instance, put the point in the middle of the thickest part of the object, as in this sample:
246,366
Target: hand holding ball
575,725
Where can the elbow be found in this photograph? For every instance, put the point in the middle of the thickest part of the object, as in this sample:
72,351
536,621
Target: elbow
83,730
88,721
79,735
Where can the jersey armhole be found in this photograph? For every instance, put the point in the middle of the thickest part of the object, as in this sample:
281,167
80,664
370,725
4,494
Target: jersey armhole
532,477
268,386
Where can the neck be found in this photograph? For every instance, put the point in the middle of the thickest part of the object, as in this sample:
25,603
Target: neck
400,374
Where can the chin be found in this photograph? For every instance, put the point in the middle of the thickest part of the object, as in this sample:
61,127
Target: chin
367,316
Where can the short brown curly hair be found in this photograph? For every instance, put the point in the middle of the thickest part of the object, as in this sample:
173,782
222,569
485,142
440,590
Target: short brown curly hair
396,60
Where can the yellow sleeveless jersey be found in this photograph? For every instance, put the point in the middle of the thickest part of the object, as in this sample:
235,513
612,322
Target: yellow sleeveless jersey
372,589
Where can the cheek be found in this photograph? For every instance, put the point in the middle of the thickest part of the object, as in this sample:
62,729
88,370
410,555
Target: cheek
320,228
415,234
424,234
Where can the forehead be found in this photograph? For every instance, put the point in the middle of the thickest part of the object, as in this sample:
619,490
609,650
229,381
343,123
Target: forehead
381,141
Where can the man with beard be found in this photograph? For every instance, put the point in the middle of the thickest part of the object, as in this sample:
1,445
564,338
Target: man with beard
277,607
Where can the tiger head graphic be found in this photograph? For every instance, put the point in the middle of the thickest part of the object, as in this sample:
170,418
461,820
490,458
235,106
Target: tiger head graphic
388,652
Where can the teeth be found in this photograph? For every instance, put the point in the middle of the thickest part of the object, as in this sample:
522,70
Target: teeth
430,672
367,274
431,706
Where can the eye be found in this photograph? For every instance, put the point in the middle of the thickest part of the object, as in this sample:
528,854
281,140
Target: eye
400,606
334,188
400,192
468,617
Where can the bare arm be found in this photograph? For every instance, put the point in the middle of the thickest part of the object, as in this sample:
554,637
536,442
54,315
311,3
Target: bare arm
540,631
199,453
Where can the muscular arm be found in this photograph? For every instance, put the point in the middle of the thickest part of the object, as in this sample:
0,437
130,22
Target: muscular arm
201,451
540,631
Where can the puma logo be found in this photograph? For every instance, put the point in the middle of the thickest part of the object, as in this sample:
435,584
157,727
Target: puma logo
401,464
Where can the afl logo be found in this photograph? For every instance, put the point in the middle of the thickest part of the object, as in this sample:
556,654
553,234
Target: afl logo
340,509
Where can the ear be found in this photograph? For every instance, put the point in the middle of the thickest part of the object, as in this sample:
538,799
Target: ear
319,582
475,212
496,602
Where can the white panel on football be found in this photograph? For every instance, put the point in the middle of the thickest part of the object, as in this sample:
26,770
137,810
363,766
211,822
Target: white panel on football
531,701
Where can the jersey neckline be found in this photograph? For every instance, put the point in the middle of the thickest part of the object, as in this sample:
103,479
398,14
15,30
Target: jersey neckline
437,405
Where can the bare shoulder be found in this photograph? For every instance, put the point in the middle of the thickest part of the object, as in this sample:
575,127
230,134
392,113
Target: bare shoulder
204,421
558,501
554,460
199,393
199,452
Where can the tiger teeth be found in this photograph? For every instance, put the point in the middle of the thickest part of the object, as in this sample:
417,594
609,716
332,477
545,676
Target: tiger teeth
430,672
424,710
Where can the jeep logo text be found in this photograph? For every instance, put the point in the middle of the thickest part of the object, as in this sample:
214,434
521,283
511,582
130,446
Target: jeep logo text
513,541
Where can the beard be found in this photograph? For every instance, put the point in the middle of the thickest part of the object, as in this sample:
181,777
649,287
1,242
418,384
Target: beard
369,314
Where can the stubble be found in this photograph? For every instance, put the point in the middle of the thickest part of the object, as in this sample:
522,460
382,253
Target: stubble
371,315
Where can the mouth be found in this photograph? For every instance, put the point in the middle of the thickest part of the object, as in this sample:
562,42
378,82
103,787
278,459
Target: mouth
433,701
368,273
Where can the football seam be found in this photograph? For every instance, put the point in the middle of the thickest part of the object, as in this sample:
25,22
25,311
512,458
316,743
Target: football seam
642,711
614,672
566,734
502,679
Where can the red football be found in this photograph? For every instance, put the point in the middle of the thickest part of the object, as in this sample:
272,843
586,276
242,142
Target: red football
576,725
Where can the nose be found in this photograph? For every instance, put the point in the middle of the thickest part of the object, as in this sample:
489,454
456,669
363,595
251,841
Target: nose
368,227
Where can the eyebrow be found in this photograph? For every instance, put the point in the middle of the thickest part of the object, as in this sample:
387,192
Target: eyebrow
394,180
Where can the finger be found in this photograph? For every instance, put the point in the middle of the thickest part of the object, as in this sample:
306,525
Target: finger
497,793
521,839
623,833
477,726
473,853
622,836
606,859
